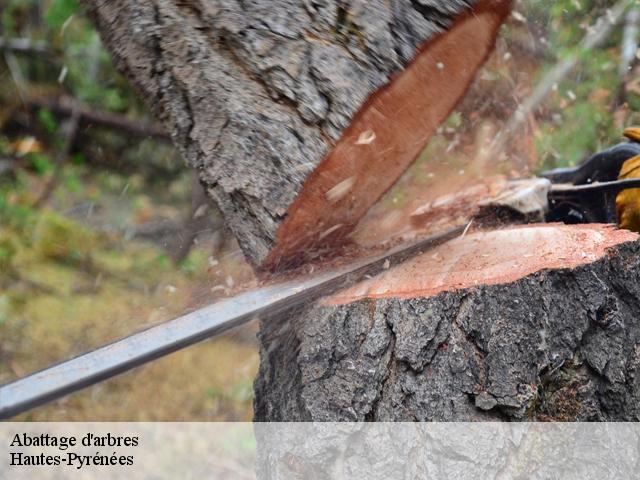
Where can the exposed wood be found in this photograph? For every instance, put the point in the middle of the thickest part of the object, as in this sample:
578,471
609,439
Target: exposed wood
551,331
298,115
490,258
386,136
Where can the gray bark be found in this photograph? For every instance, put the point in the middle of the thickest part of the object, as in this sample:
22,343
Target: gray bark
255,93
555,345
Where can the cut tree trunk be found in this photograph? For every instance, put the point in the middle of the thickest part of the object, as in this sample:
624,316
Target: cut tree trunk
538,322
299,115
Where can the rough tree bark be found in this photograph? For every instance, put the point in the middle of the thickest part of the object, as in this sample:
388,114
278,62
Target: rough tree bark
534,322
298,115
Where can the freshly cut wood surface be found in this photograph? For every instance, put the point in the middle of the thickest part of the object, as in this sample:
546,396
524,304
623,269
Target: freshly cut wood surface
386,135
490,258
298,115
551,331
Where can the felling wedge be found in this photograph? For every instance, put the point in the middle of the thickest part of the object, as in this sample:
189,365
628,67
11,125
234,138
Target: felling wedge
299,115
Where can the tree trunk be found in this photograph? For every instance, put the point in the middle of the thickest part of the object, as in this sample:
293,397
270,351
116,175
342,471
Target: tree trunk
534,322
299,115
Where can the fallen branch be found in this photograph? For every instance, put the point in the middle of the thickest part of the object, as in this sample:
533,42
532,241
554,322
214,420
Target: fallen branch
60,159
65,105
24,45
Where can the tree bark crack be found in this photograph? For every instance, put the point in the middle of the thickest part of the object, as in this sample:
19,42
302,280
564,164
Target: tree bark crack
392,365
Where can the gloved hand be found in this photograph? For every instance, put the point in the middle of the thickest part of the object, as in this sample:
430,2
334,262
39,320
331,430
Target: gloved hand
628,201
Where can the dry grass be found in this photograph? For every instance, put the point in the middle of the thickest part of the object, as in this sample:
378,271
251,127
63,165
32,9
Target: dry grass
209,381
53,307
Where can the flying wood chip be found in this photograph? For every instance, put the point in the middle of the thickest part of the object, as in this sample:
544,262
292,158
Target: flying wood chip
490,258
537,322
278,103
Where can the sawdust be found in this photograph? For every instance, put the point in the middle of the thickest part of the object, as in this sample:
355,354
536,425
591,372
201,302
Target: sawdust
489,258
386,136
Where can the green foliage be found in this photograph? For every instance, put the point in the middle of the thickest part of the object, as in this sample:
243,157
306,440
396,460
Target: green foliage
72,182
163,260
15,215
58,12
12,13
76,47
195,262
454,120
4,145
579,119
113,99
582,131
78,159
47,120
633,98
41,163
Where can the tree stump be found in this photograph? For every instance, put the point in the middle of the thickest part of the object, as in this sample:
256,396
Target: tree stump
537,322
298,116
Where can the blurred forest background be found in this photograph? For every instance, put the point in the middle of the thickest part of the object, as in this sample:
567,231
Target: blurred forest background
103,230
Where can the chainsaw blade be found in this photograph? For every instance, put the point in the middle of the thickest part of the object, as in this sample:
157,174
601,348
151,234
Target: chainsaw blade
135,350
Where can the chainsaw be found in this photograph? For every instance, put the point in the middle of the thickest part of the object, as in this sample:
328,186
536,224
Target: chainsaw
596,191
592,192
600,190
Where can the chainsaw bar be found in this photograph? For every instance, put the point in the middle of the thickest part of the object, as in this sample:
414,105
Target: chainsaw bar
160,340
